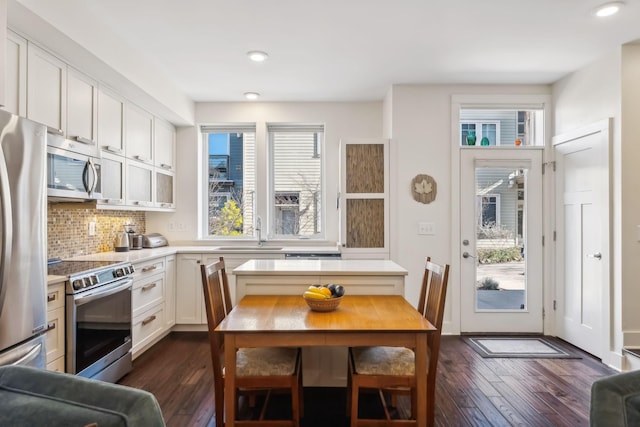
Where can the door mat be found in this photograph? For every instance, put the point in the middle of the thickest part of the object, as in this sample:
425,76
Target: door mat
521,347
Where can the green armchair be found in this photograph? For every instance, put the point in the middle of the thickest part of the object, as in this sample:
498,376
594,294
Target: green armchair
35,397
615,400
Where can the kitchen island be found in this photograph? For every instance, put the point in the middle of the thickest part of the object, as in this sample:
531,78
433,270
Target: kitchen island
323,366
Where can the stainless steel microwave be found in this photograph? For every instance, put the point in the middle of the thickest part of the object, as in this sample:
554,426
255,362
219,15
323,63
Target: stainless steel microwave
72,176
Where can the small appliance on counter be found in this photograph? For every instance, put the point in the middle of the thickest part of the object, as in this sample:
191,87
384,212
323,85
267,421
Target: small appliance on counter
154,240
121,244
135,239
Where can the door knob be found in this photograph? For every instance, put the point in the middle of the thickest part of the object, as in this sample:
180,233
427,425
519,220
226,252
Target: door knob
466,254
597,255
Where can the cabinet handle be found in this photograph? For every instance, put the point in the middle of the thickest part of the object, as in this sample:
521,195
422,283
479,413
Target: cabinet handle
113,149
54,131
166,205
165,166
149,287
51,297
51,326
113,201
141,158
84,140
149,268
148,320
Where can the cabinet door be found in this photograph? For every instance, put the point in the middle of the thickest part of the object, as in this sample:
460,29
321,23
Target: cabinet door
170,291
110,122
82,105
138,134
46,88
139,184
189,293
165,189
15,99
113,180
364,189
165,144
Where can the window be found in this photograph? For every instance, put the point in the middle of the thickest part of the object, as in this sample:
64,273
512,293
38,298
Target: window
503,126
483,129
489,210
230,179
295,180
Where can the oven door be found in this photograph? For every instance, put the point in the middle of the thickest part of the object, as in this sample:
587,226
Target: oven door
99,328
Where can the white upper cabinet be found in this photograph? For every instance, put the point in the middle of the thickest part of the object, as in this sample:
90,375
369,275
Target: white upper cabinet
165,144
138,134
110,122
82,105
15,78
46,89
113,179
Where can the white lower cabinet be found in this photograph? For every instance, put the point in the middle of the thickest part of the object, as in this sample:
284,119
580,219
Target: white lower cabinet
189,293
55,327
148,305
170,291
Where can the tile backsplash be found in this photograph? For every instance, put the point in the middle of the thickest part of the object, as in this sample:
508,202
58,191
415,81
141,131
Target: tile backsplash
68,229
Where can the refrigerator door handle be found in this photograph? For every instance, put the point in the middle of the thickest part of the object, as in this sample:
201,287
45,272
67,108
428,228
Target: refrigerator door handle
32,354
6,230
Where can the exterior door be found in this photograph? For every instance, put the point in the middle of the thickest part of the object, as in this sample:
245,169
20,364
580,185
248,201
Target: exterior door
582,249
501,247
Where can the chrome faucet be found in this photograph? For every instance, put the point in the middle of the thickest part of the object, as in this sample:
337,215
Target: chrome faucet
259,230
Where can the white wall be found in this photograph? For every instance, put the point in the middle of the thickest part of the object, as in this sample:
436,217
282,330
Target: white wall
341,120
591,94
420,129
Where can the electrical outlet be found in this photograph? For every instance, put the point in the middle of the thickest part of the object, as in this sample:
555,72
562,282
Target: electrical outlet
426,228
92,228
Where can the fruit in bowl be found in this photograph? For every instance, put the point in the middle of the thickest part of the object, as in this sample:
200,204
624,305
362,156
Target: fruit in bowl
323,298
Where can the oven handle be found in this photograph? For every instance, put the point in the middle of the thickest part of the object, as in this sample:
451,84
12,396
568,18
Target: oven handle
102,292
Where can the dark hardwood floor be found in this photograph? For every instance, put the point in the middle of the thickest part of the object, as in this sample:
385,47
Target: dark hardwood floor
470,391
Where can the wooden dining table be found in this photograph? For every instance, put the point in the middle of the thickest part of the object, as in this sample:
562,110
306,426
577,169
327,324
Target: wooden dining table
359,320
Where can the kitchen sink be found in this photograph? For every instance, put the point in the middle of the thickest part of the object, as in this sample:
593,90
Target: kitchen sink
250,248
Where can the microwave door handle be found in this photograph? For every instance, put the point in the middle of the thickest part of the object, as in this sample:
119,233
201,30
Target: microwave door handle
85,176
94,184
6,228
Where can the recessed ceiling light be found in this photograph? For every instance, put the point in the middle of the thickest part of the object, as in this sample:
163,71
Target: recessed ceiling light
257,56
251,95
608,9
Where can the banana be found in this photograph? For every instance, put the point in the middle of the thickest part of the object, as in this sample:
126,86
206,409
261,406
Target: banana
314,295
315,290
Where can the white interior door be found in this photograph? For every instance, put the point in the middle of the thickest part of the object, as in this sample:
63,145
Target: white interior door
501,248
582,221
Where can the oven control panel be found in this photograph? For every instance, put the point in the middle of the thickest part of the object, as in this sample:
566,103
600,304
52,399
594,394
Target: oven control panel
88,279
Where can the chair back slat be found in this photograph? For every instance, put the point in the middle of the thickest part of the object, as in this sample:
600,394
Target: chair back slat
225,287
438,278
422,301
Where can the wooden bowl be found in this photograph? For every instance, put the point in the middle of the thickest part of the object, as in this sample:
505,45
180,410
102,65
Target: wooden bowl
324,305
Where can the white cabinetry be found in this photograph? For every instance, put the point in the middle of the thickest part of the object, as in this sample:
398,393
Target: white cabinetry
138,134
113,180
55,327
189,293
165,144
110,122
15,94
364,198
46,89
82,105
139,184
148,304
170,291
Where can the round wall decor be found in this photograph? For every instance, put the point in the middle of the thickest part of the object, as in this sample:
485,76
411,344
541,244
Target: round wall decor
424,188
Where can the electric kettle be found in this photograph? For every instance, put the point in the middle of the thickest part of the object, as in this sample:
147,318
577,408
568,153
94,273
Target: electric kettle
121,243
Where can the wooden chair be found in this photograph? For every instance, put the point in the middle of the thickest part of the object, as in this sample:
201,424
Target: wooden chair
265,369
392,369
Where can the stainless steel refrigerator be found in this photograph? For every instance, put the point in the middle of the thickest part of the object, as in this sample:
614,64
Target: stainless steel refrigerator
23,264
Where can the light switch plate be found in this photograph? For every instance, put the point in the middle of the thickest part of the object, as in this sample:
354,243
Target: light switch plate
426,228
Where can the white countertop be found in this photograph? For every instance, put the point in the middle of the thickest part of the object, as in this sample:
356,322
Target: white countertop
319,266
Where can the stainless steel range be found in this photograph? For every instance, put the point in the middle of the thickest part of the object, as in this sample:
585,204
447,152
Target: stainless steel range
98,317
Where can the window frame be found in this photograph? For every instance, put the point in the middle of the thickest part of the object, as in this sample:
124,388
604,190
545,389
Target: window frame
478,128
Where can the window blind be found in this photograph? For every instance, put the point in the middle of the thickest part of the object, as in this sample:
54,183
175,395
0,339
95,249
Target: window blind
229,128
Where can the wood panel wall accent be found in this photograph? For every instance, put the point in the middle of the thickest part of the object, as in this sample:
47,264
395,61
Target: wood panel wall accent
365,223
365,168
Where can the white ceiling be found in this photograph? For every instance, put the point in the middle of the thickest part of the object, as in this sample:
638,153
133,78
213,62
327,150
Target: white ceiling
341,50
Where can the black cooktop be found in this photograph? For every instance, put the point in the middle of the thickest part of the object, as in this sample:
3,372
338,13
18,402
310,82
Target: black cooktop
68,268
